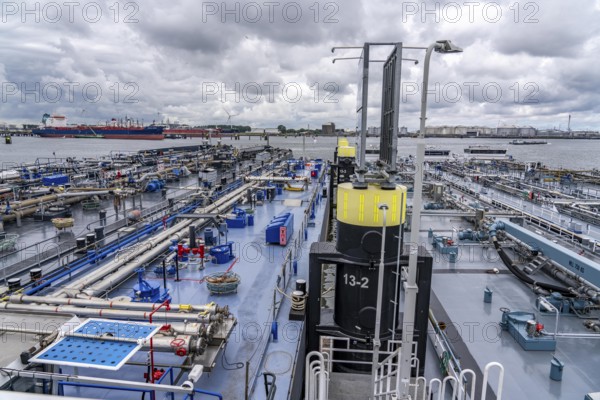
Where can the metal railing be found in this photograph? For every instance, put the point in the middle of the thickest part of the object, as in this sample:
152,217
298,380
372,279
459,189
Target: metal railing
316,378
319,366
387,377
332,345
20,260
270,386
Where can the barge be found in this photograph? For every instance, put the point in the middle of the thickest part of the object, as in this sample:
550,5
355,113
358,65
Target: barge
237,288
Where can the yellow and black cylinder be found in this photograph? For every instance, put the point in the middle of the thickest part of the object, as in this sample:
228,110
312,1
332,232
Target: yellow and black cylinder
345,159
360,220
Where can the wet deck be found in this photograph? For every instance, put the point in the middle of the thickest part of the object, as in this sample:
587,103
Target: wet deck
459,287
259,266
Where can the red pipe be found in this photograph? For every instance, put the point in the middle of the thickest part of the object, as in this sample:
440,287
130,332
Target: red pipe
166,304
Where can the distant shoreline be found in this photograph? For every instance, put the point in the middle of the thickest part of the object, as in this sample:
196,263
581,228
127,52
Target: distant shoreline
410,136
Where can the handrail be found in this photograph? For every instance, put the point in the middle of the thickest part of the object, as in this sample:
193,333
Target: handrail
461,383
89,385
313,370
486,372
164,304
270,386
444,388
57,252
391,356
317,377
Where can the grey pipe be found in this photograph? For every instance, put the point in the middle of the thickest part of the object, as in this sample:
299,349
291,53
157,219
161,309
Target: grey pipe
180,328
150,253
119,305
73,194
108,313
32,208
573,335
570,278
276,179
144,252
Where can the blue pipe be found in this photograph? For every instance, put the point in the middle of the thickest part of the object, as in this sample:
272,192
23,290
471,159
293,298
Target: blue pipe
87,385
89,260
496,226
116,246
105,252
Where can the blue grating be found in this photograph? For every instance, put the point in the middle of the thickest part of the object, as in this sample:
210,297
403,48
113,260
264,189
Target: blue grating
88,352
127,330
95,349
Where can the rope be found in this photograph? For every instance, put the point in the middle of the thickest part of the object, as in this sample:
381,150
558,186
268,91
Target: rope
444,361
298,301
329,289
297,298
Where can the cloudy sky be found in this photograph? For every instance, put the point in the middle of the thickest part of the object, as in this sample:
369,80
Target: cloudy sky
270,63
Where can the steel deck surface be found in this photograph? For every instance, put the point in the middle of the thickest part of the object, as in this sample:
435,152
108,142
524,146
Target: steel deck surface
527,373
258,266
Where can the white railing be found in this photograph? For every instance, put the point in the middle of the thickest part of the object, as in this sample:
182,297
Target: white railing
316,379
459,389
387,376
331,346
387,385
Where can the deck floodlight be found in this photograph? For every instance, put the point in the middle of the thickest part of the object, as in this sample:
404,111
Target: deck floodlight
446,46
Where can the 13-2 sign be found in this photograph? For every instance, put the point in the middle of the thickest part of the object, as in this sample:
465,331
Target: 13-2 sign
352,280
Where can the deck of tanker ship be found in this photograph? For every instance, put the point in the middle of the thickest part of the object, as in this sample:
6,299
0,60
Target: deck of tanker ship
261,268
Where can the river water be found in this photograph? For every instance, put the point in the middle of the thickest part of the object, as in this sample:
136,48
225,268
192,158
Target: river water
558,153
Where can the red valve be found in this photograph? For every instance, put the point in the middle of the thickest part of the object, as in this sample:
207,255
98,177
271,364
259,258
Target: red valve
539,327
177,342
157,374
182,250
199,251
181,352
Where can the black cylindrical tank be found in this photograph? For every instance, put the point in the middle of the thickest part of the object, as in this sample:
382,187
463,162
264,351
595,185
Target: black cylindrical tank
356,299
360,221
360,217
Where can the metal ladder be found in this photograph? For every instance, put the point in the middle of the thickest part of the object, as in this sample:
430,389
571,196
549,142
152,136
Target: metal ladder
536,264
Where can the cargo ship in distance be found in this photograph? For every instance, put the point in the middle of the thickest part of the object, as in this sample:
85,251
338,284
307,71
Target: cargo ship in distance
527,142
55,126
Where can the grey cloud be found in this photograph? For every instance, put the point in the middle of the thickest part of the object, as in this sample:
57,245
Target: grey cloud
176,48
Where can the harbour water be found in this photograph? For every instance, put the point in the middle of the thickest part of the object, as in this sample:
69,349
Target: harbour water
558,153
459,256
